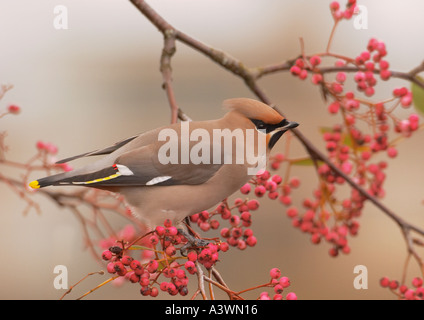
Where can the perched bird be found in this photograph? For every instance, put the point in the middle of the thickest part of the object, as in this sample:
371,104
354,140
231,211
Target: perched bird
184,168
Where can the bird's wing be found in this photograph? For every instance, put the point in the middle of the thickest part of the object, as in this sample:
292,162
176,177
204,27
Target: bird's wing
98,152
141,167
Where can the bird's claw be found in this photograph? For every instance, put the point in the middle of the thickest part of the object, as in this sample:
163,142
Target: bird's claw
192,242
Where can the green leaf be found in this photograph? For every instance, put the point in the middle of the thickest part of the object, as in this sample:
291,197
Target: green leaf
137,247
418,95
325,129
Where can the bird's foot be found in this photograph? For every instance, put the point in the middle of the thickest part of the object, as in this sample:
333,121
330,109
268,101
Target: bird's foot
192,242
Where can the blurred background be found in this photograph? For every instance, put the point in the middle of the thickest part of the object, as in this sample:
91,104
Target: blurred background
98,82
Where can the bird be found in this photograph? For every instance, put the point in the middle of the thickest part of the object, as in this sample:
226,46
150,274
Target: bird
177,170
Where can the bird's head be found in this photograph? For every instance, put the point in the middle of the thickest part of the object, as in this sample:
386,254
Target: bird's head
262,116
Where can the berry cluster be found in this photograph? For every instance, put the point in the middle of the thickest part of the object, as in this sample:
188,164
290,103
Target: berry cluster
339,14
347,145
278,283
47,151
239,217
416,292
163,262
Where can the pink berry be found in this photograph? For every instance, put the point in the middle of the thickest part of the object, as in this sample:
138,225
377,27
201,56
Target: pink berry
160,230
245,189
234,220
291,296
406,100
260,191
341,77
277,179
417,282
315,60
392,152
251,241
303,74
111,267
154,292
295,70
410,294
106,255
14,109
294,182
292,212
278,288
224,246
152,266
334,107
170,251
126,260
384,65
173,231
316,78
334,5
286,200
190,267
275,273
393,284
284,282
253,204
384,282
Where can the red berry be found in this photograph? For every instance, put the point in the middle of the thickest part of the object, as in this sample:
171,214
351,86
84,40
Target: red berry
392,152
253,204
316,78
417,282
334,108
292,212
284,282
393,284
334,5
14,109
245,189
260,191
384,282
126,260
111,267
224,246
190,267
295,70
160,230
106,255
303,74
170,251
291,296
154,292
315,60
275,273
251,241
410,294
152,266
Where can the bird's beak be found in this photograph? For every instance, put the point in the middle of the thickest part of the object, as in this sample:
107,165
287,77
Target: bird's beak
288,126
278,132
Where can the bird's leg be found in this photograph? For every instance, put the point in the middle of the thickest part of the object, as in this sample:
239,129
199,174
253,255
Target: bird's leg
192,241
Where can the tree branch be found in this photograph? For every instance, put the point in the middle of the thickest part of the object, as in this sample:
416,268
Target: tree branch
250,75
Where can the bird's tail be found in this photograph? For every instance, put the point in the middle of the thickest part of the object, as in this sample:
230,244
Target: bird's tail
48,181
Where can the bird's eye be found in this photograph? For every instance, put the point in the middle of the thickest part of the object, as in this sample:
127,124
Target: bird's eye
260,125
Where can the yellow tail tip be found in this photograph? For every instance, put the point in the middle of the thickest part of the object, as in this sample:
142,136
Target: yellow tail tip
34,184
